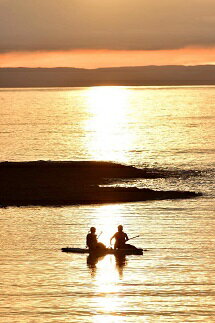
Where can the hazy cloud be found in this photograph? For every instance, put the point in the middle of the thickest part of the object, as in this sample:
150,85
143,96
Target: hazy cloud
110,24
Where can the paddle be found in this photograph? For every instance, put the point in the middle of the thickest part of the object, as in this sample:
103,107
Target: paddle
137,237
100,234
128,239
133,237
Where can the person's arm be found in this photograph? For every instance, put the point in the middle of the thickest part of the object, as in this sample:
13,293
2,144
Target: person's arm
87,238
126,237
112,238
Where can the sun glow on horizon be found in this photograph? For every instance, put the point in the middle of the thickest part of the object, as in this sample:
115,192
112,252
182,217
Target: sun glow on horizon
98,58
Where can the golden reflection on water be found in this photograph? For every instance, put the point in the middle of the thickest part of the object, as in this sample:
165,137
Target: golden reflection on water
107,271
108,298
108,123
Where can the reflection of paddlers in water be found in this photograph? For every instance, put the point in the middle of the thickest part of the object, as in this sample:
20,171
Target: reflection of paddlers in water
92,240
120,239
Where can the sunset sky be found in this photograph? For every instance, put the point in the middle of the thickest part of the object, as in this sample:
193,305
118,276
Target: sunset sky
105,33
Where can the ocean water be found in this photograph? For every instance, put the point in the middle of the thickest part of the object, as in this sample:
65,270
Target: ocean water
168,128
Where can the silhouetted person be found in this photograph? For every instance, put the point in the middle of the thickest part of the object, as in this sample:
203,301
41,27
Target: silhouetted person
120,238
92,241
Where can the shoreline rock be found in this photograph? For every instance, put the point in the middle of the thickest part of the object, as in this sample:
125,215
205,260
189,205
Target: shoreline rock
75,182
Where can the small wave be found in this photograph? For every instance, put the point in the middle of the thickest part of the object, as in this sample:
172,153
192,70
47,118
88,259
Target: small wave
196,151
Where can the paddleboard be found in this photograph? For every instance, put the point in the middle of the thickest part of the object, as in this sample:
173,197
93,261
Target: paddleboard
108,251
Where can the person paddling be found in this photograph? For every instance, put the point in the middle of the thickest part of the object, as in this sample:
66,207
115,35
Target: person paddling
92,241
120,238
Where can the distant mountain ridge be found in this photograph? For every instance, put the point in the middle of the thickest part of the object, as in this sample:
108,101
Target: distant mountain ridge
140,75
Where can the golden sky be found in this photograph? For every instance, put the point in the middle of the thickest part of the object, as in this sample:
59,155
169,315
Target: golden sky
95,33
108,58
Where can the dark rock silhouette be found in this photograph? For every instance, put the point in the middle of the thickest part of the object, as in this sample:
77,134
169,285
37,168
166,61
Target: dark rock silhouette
76,182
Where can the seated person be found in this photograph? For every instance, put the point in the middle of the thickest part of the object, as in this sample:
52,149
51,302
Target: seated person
92,241
120,238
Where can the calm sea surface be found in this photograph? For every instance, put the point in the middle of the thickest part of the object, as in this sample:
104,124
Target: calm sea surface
170,128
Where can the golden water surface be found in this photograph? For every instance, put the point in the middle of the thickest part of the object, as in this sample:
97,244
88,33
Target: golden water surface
156,127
